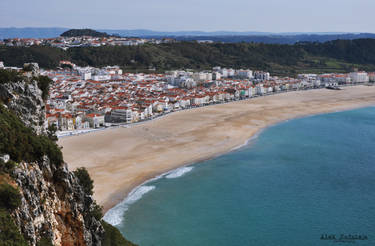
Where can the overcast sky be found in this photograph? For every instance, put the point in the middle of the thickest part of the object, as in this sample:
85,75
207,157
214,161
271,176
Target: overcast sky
202,15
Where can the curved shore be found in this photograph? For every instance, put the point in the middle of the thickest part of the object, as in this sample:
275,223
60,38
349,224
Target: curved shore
120,159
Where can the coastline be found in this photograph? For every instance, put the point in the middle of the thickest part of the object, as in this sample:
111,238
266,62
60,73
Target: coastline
119,160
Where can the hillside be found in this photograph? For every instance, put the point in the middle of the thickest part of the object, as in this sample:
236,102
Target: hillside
41,201
83,32
332,56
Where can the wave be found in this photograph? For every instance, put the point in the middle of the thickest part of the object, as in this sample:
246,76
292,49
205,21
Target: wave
115,215
248,141
178,172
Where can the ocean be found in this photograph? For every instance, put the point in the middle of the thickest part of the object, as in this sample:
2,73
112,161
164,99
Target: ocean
308,181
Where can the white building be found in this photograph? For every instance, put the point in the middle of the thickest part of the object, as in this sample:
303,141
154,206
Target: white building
101,77
359,77
202,76
247,74
224,73
216,76
262,75
231,72
122,115
86,76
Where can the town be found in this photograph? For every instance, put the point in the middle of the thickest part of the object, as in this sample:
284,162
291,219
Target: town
82,41
86,98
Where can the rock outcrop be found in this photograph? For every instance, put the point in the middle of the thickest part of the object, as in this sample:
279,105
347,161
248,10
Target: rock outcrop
54,205
25,99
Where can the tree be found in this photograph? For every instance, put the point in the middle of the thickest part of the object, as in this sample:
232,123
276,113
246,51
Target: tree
43,83
51,132
10,198
85,180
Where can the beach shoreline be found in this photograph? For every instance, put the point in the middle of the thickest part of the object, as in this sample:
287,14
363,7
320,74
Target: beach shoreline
120,160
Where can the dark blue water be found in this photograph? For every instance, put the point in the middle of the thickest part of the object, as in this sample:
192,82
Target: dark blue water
296,181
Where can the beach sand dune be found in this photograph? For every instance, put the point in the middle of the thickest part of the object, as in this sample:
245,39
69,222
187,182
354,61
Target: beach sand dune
120,159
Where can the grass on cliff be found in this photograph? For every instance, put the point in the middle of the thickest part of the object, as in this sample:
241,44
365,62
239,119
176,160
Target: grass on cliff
9,234
22,144
10,199
7,76
113,236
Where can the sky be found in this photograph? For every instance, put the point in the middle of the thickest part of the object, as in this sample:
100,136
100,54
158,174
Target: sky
188,15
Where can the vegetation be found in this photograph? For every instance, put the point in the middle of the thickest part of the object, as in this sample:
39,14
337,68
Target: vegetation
113,236
10,76
46,57
7,76
51,132
83,32
10,198
44,241
22,144
87,184
43,83
85,180
332,56
9,233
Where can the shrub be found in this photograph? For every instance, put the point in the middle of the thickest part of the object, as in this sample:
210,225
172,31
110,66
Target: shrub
8,76
43,83
22,144
51,132
97,211
7,167
10,198
113,237
84,180
9,233
44,242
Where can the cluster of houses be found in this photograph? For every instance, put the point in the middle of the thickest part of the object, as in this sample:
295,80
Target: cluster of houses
87,97
82,41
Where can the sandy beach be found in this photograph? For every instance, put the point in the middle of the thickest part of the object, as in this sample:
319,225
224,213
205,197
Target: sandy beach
120,159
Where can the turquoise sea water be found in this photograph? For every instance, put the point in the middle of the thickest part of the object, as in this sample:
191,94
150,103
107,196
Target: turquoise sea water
296,181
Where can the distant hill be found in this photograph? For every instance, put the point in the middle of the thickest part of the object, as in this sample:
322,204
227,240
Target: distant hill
83,32
218,36
278,39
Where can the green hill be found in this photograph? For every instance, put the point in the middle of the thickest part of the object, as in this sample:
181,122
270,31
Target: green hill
332,56
83,32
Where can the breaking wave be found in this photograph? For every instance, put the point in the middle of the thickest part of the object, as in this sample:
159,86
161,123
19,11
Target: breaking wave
115,215
178,172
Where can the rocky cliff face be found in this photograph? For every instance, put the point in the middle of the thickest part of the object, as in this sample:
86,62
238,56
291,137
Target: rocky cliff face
25,99
54,205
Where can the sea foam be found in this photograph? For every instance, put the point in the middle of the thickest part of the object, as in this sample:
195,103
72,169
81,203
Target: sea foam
115,215
178,172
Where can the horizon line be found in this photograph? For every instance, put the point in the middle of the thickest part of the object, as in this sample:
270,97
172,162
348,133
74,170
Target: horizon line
190,30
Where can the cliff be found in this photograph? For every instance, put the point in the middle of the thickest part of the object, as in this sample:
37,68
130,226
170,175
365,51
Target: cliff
54,207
